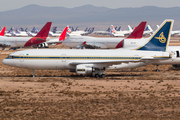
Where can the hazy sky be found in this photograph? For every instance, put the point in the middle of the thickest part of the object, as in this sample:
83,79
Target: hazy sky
14,4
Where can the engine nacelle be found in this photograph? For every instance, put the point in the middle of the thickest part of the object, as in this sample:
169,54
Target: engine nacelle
84,69
42,45
79,47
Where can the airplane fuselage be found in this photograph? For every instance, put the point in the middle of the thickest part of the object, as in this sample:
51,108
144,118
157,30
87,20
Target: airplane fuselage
105,43
14,41
69,59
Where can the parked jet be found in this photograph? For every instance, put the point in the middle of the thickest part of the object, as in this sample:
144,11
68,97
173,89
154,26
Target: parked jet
106,32
54,41
33,32
17,42
75,32
54,32
95,62
95,42
9,33
19,33
121,33
148,30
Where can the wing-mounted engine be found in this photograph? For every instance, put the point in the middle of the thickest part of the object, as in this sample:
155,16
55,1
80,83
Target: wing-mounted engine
90,69
84,69
41,45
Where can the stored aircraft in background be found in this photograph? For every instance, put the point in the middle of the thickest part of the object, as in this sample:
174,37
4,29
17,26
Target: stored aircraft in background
54,32
121,33
17,42
106,32
75,32
19,33
148,30
9,33
95,62
33,32
105,43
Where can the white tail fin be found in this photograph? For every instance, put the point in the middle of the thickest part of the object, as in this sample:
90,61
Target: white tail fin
129,28
149,28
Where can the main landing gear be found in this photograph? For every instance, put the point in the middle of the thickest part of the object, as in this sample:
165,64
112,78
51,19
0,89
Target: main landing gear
157,70
33,73
99,73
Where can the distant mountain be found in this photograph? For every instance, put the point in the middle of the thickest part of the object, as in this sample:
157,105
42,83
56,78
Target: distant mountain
39,15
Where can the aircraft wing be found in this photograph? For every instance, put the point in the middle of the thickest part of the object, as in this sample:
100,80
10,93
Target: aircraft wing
105,63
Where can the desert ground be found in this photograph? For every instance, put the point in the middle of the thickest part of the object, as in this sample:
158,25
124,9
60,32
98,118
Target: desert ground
140,93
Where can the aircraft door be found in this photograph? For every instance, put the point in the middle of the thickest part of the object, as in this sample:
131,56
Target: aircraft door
21,57
63,57
177,54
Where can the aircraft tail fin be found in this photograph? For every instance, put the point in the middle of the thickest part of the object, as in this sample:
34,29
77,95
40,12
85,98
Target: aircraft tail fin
76,29
63,34
68,30
108,29
159,40
113,29
54,29
157,26
45,30
2,31
138,31
119,28
129,28
149,28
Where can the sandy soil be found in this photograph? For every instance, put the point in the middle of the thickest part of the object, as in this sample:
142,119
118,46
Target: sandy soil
140,93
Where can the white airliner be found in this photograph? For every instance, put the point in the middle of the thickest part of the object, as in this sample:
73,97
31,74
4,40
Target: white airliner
121,33
75,33
17,42
95,62
105,43
106,32
19,33
148,30
33,32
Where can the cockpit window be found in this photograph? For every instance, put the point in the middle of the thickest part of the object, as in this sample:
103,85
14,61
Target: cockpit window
10,57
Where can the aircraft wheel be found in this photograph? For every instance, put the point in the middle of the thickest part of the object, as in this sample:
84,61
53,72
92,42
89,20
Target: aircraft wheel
96,75
103,75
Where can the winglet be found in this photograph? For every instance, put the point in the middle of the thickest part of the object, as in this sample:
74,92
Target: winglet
138,31
2,31
63,34
45,30
160,38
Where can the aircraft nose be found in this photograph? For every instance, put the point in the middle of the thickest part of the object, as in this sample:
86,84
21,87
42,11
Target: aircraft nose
6,62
